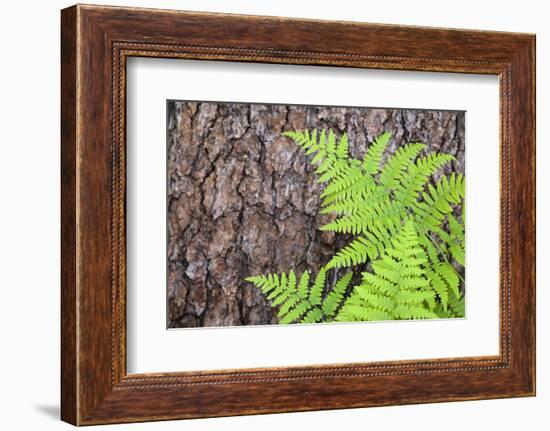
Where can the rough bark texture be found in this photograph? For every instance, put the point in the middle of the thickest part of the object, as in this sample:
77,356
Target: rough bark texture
243,200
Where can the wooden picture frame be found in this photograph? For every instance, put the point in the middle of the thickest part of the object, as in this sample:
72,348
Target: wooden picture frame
95,43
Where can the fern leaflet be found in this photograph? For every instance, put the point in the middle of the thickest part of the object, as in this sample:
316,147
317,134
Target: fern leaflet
301,302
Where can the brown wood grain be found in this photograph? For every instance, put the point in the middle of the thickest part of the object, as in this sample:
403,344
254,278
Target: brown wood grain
68,217
96,41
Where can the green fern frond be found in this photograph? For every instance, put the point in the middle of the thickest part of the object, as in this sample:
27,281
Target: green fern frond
397,287
316,290
336,295
298,302
359,251
303,287
352,189
373,157
418,175
331,158
385,213
362,249
342,151
303,138
444,281
448,273
352,196
350,182
438,202
439,287
401,223
371,200
393,172
312,316
456,239
456,307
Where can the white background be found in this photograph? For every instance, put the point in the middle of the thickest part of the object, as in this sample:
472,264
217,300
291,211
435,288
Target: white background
151,348
29,228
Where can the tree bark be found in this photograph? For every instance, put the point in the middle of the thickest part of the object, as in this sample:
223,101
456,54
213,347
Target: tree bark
243,200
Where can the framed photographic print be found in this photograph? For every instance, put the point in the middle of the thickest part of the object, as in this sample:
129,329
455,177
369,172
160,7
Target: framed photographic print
265,214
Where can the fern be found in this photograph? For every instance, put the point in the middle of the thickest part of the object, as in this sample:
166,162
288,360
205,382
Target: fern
397,288
331,158
402,223
371,199
456,240
397,165
373,157
455,309
300,302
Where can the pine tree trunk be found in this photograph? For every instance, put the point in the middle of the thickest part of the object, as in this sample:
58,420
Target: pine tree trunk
243,200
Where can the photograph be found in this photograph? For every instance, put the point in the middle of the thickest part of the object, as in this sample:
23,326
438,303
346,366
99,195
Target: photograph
283,214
